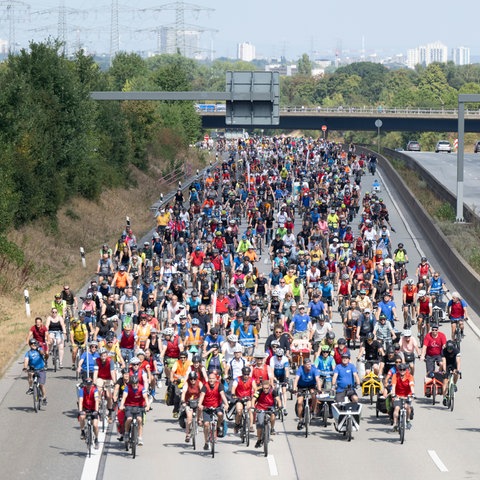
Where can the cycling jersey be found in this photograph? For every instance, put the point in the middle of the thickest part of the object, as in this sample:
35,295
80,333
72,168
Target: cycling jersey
279,366
307,379
35,359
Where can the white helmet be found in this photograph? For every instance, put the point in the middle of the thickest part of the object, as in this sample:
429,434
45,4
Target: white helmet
422,293
410,281
232,338
237,348
168,331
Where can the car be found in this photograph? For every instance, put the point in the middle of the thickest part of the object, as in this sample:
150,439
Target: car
443,146
476,148
413,146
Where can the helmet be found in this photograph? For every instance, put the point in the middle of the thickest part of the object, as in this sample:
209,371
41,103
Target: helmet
279,352
135,361
450,345
141,352
232,338
94,343
390,350
133,379
246,370
325,348
33,342
423,259
345,276
237,348
382,317
422,293
400,245
274,293
410,281
403,366
214,345
168,331
192,376
342,341
346,354
330,335
407,333
196,358
102,350
88,382
275,343
370,336
125,370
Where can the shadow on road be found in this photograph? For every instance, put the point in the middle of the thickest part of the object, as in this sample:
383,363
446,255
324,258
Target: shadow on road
70,413
23,409
472,430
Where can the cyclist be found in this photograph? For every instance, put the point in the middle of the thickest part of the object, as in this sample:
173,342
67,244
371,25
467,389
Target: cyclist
325,363
400,256
104,377
281,370
178,375
39,332
70,299
424,310
264,400
409,297
384,331
301,324
88,403
387,307
243,388
190,391
56,333
457,312
318,333
402,387
86,365
433,344
34,361
135,397
345,378
424,271
212,396
373,351
120,385
437,287
307,377
451,363
409,348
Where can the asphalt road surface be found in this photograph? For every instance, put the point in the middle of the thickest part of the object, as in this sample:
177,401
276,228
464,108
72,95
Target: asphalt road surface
444,168
47,444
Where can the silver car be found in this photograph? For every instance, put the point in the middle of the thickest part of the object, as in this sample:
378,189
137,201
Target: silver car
443,146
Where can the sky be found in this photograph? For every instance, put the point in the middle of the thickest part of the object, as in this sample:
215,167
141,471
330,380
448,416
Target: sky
275,28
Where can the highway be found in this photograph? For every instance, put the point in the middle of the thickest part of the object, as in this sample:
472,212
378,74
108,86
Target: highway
47,444
444,167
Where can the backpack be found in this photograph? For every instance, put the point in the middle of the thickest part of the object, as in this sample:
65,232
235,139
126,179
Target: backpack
170,395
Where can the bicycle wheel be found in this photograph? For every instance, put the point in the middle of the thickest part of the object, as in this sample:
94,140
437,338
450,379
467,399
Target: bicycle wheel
402,425
266,434
103,410
89,439
194,429
372,392
348,426
213,428
451,396
36,397
306,419
55,357
434,393
325,414
246,427
458,337
134,438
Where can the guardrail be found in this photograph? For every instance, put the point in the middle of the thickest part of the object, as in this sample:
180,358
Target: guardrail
465,279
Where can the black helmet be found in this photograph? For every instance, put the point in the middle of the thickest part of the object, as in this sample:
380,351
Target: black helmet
196,358
33,342
370,336
88,382
133,379
390,350
331,335
192,376
400,245
125,370
342,341
246,370
450,345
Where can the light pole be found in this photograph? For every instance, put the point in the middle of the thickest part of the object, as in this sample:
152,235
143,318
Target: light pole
378,124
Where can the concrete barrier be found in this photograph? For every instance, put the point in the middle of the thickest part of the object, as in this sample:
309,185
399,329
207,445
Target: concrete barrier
465,279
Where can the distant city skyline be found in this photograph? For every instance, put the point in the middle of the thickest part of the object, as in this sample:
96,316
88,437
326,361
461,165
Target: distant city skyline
276,29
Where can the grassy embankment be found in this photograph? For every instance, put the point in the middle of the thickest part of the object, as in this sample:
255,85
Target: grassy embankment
52,254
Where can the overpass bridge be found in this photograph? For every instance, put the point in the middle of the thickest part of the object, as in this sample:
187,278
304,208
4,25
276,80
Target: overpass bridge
358,118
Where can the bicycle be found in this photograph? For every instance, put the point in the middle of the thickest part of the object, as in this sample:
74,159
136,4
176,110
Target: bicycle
132,440
80,352
457,337
265,439
409,319
54,355
89,433
325,400
102,411
37,393
193,404
402,418
307,414
400,274
371,386
451,389
212,435
245,429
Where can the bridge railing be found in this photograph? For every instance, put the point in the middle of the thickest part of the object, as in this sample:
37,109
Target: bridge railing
380,110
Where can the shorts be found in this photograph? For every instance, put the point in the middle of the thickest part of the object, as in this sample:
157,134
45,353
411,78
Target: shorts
195,270
42,376
261,418
340,396
92,413
301,335
328,301
56,334
207,416
101,383
456,320
280,377
130,411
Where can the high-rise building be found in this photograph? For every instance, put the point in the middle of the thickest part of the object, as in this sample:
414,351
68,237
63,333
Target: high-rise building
246,51
461,56
427,54
188,42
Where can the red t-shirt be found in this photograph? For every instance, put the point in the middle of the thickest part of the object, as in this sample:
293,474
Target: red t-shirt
403,387
434,345
39,333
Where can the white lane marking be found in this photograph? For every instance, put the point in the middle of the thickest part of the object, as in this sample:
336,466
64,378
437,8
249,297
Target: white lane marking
90,468
400,214
436,460
272,465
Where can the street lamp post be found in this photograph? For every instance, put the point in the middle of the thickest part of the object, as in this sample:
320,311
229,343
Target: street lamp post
378,124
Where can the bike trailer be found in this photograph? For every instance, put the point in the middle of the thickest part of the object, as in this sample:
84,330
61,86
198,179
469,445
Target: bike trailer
341,411
381,405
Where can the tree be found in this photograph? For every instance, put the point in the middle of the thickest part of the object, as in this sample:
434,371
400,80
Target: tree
304,65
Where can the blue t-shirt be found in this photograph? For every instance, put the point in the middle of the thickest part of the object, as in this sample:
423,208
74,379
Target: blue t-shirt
307,379
326,289
35,359
345,376
300,322
387,309
316,308
89,359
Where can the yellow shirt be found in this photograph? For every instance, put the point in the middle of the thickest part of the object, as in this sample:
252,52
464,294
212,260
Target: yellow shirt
163,219
289,279
79,333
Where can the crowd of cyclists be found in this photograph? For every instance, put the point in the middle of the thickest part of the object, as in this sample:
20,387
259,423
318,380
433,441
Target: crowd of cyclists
230,306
